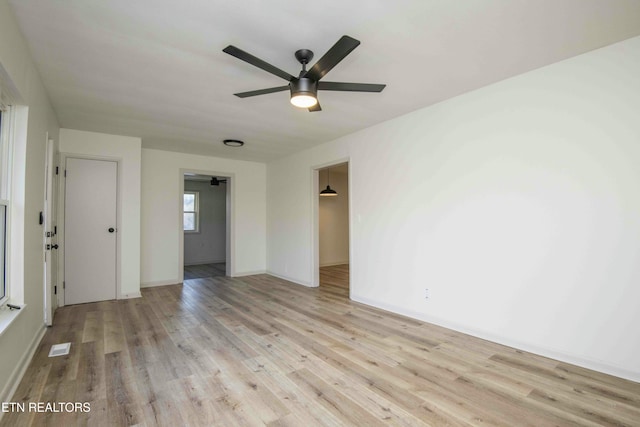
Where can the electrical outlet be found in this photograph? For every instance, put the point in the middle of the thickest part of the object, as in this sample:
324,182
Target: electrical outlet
427,293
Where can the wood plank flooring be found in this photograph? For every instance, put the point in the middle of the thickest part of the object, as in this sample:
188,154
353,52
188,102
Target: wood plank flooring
258,350
202,271
336,276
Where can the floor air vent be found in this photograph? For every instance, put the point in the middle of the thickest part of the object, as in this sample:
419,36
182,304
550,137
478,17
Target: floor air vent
60,349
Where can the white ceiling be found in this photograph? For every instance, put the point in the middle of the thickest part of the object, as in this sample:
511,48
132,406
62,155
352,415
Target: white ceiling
155,68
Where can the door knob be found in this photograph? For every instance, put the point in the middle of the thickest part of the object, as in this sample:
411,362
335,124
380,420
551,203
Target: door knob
54,246
111,229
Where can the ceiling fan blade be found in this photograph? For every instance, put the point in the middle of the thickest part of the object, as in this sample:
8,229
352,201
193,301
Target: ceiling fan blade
315,108
261,91
350,87
337,53
257,62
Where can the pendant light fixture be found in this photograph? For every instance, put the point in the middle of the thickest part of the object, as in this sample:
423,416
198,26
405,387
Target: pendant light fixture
328,192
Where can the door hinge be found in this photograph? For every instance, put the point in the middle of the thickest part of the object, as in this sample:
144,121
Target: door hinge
65,173
57,170
64,285
55,230
55,290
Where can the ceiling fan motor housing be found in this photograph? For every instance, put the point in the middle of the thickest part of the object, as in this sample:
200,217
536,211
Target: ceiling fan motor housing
303,86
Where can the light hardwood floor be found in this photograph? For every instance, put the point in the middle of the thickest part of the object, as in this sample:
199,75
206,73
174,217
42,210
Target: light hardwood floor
336,276
258,350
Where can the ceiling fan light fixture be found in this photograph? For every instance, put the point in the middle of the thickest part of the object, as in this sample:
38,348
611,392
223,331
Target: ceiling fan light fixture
303,101
303,92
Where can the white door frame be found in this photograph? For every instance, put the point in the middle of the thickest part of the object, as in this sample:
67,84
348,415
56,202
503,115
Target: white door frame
61,219
230,262
50,300
315,212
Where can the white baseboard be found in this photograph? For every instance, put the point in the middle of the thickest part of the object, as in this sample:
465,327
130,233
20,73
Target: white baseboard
248,273
131,295
290,279
160,283
18,372
546,352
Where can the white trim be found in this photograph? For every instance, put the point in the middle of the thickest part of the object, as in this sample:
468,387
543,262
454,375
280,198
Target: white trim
131,296
6,250
249,273
60,198
289,279
19,370
18,194
49,206
546,352
8,316
6,169
160,283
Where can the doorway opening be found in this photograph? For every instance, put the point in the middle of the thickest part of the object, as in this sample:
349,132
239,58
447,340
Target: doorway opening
205,208
333,228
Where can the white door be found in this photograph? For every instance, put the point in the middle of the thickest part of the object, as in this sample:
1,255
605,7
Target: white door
90,230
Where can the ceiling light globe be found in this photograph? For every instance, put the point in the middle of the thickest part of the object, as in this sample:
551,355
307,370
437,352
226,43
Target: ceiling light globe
304,101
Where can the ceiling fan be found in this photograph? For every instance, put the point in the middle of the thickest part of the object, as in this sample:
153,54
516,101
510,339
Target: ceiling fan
216,182
305,87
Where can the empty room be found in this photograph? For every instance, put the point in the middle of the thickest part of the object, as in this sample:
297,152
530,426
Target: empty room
411,213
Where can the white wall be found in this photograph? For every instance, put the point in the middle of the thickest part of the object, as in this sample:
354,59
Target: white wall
127,150
162,179
208,245
18,71
517,205
333,219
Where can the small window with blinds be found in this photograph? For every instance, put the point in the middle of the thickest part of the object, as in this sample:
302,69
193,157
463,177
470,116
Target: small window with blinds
190,212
